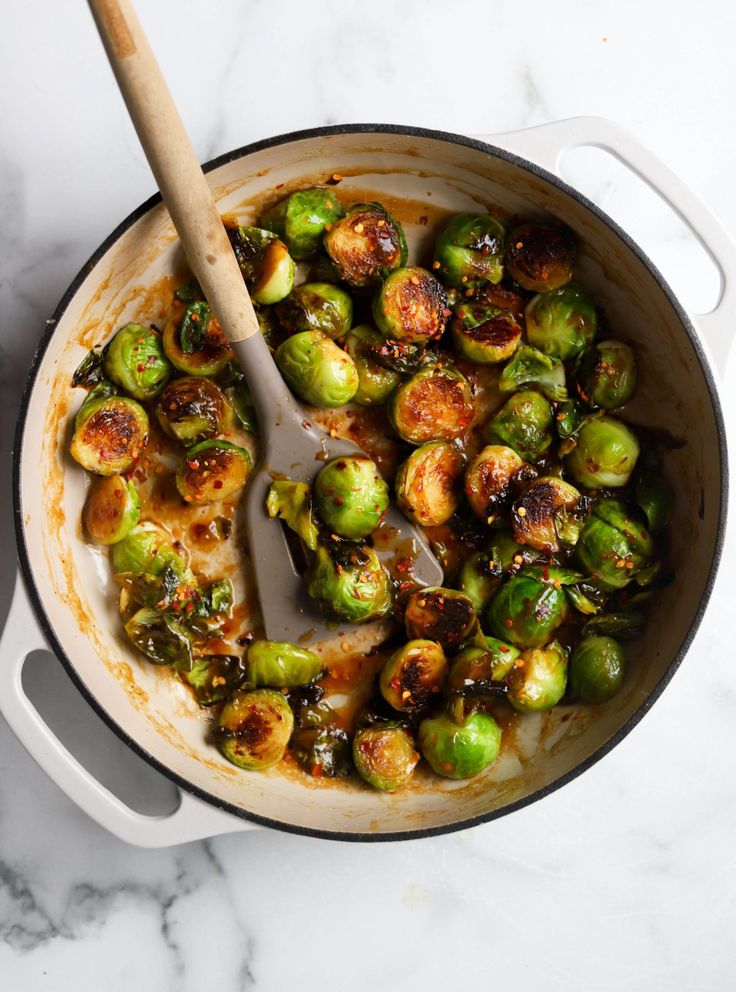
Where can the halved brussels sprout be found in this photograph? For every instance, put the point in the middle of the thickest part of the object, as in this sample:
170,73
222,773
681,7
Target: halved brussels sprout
524,423
413,675
111,510
317,370
265,262
254,729
292,503
193,409
317,306
213,677
485,334
538,679
411,305
459,750
435,404
148,549
525,612
654,495
280,664
607,375
489,481
109,435
351,496
530,367
194,342
561,323
375,381
469,251
541,516
479,578
366,244
480,671
323,751
540,257
605,454
302,218
135,360
439,614
160,638
350,583
597,669
211,471
429,482
614,545
385,756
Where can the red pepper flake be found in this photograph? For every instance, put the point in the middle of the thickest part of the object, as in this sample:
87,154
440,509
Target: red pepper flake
217,484
509,622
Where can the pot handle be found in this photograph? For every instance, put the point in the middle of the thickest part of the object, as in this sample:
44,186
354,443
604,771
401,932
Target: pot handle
191,820
545,145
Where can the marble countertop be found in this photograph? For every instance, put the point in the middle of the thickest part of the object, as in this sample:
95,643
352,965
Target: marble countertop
621,881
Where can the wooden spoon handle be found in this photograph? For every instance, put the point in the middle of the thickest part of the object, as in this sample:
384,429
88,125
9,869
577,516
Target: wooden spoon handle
169,151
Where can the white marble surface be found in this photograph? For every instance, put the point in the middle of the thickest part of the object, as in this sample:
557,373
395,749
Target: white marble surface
622,881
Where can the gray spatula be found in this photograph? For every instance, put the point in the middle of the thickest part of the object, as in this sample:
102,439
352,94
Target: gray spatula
289,444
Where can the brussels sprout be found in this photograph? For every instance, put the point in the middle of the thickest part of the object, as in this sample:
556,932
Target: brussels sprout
561,323
524,423
160,638
351,496
109,435
211,471
281,664
241,401
316,306
413,675
570,417
350,584
193,409
254,729
539,257
614,545
457,750
135,360
485,334
605,454
401,356
147,548
597,669
428,483
366,244
654,495
436,404
479,578
526,612
411,305
385,756
375,381
302,218
111,510
194,342
265,262
439,614
292,503
323,752
607,375
214,677
624,626
317,370
489,480
530,367
101,391
479,671
469,251
543,515
538,678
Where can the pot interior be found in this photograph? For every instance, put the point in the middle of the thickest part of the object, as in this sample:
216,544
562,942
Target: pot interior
73,581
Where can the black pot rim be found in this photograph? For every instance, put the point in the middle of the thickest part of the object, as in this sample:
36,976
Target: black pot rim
463,824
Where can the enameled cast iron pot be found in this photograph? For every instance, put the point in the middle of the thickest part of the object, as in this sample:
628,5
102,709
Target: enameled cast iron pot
64,600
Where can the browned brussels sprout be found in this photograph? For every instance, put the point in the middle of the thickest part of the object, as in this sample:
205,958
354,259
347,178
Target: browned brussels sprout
538,678
436,404
193,409
211,471
214,677
541,516
254,729
489,481
109,434
316,306
469,251
429,482
411,305
480,671
375,381
161,638
111,510
479,578
194,342
413,675
366,244
265,262
484,333
385,756
540,257
439,614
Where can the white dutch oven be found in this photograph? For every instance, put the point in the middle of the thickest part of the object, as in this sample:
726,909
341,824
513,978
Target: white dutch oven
64,600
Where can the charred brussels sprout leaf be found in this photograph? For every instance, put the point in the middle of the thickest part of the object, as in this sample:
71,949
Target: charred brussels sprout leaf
413,675
292,503
385,756
411,305
607,375
479,578
525,612
194,342
436,404
456,750
90,371
366,244
561,323
148,549
543,516
214,677
597,669
350,496
538,679
539,257
265,262
317,306
479,671
530,367
439,614
605,454
241,401
254,729
654,495
429,482
614,545
135,360
280,664
302,218
624,626
510,556
469,251
489,481
317,370
111,510
484,333
524,423
160,638
193,409
323,752
375,381
211,471
401,356
350,584
109,435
